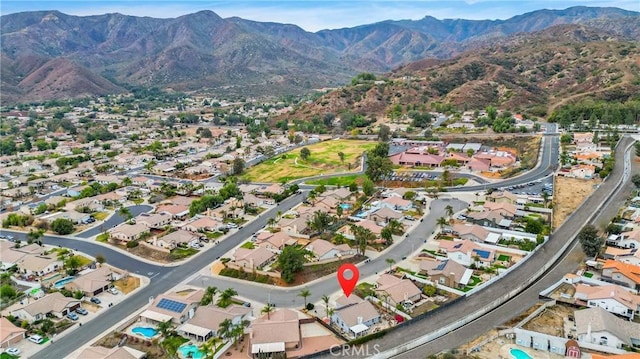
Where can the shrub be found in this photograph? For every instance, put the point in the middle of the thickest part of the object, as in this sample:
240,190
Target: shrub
132,244
310,306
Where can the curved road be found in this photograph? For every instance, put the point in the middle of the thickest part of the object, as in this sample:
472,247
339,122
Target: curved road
164,278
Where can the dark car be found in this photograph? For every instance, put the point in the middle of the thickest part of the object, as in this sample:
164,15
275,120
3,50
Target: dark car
95,300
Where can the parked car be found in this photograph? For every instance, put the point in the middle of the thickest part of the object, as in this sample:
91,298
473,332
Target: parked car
232,225
36,339
113,290
82,311
73,316
12,351
95,300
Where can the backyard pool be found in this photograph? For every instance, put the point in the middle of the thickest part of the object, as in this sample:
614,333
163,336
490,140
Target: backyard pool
519,354
190,348
60,283
145,332
345,205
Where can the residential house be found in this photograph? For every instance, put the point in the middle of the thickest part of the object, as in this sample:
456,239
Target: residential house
612,298
126,232
623,255
154,221
176,238
448,272
73,216
471,232
9,257
383,215
202,224
347,232
629,239
232,208
340,194
583,171
175,306
94,282
325,250
295,227
54,304
398,291
252,259
10,335
275,333
486,218
176,211
627,275
206,321
356,317
37,266
597,326
117,352
503,197
269,190
467,252
275,242
479,165
506,210
396,203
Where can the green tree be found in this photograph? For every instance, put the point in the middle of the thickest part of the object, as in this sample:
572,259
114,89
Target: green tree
207,298
125,213
225,329
72,264
7,292
533,226
238,166
635,179
62,226
387,235
100,258
442,222
320,221
225,297
165,327
291,261
368,187
267,309
449,210
384,133
325,299
362,236
341,155
305,153
590,240
378,162
304,293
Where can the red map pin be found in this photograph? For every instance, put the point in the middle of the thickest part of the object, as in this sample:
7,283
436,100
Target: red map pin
348,278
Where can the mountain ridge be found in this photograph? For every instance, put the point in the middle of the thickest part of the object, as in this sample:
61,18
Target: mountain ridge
205,52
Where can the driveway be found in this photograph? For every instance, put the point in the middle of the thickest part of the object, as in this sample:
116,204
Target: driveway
113,221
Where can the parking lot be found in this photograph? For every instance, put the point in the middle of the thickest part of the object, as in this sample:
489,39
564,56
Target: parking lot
532,188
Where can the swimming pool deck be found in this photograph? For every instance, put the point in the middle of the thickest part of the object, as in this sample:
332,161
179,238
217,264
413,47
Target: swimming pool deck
535,354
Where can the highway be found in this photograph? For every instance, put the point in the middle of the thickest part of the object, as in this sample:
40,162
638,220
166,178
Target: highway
164,278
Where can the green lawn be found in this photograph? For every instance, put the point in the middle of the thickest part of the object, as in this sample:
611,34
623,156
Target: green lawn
7,356
342,181
474,281
248,245
504,258
324,159
588,274
180,253
213,235
100,216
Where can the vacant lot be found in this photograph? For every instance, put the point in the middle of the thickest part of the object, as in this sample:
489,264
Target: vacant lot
324,159
569,193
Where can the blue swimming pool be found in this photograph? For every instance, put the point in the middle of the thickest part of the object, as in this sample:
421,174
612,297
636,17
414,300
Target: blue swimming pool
186,349
345,206
60,283
145,332
519,354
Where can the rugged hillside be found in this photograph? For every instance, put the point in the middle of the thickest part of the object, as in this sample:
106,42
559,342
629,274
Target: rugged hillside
525,71
207,53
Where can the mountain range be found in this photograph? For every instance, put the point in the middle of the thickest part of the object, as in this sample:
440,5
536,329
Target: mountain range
48,54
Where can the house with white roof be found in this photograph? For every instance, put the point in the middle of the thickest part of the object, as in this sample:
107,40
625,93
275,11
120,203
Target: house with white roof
356,317
598,326
612,298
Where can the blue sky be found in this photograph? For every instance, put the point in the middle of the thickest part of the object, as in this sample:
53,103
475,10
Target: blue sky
313,15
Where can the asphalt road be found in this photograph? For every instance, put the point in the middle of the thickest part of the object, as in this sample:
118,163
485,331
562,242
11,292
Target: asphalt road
113,221
166,279
494,294
287,297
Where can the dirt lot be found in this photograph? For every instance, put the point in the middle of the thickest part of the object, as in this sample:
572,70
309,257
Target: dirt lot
127,285
569,193
550,321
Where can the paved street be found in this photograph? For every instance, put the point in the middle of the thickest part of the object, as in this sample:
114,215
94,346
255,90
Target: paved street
287,297
113,221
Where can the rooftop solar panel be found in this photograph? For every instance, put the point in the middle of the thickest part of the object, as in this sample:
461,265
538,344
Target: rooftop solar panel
171,305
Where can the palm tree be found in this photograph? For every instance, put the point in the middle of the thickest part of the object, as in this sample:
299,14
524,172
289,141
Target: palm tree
271,222
267,309
545,198
225,328
390,262
225,297
396,227
207,298
448,210
442,222
125,212
325,299
330,314
208,348
279,215
304,294
165,327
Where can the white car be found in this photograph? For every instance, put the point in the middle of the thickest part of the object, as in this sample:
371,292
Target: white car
113,290
232,225
13,351
36,339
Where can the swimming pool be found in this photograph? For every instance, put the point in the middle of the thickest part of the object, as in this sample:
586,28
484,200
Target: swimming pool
186,349
145,332
345,205
519,354
60,283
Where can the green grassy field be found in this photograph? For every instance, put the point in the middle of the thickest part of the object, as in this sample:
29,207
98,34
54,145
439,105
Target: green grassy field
324,159
341,181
